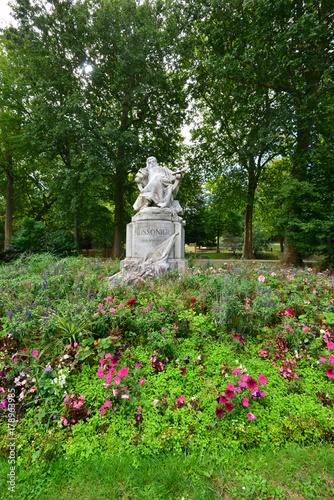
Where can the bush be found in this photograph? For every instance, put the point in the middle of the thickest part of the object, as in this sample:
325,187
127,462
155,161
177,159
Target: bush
31,235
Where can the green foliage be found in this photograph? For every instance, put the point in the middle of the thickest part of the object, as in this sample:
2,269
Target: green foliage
30,236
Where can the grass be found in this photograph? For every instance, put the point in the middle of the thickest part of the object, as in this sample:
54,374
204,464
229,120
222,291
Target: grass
293,472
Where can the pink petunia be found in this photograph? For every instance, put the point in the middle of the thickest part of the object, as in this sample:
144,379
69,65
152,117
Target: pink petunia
322,359
109,377
330,372
115,392
117,380
34,353
262,379
251,416
24,350
102,410
222,399
228,406
245,402
219,412
103,312
229,393
236,371
251,383
123,372
125,396
100,373
244,376
331,359
107,404
141,381
330,345
112,310
235,335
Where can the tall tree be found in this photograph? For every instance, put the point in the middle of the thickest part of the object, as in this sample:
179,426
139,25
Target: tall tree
284,46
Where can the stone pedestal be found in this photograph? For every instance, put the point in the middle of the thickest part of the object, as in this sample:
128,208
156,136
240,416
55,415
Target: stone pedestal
149,228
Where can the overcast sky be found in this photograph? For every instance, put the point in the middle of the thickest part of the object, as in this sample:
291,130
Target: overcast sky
4,13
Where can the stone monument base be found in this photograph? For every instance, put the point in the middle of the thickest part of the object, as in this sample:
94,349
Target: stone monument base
148,229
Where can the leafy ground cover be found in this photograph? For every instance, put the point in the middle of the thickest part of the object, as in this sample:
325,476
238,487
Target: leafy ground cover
224,362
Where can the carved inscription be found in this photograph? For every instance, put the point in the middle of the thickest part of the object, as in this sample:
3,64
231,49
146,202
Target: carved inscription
152,232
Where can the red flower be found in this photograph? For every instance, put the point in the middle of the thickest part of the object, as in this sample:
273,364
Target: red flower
193,300
228,406
251,383
290,312
183,370
219,412
221,399
131,301
330,372
229,393
235,335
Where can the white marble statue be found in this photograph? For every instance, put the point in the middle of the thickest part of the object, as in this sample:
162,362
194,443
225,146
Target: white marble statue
158,186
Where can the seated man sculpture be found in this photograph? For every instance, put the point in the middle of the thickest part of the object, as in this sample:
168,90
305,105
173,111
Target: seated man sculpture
157,185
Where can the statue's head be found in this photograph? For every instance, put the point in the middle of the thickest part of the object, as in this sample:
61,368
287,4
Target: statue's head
151,162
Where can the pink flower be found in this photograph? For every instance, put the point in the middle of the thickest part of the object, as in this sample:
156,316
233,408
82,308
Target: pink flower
322,359
117,380
228,406
251,416
306,329
24,350
230,387
112,310
229,393
262,379
3,404
262,279
183,370
125,396
331,359
219,412
123,372
34,353
245,402
330,372
262,394
235,335
314,292
236,371
242,384
100,373
222,399
109,377
103,312
251,383
155,402
107,404
115,392
330,345
141,381
244,376
102,410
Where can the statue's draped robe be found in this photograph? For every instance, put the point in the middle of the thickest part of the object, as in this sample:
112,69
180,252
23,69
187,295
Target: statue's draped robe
158,187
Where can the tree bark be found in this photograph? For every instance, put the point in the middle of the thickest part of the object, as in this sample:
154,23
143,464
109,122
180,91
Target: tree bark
76,230
291,255
9,203
281,242
248,252
118,243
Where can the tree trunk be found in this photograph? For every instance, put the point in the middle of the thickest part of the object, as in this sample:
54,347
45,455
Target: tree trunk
291,255
281,242
9,204
119,228
76,230
218,250
248,252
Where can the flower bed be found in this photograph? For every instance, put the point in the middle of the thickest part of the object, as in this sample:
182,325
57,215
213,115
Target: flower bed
239,353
